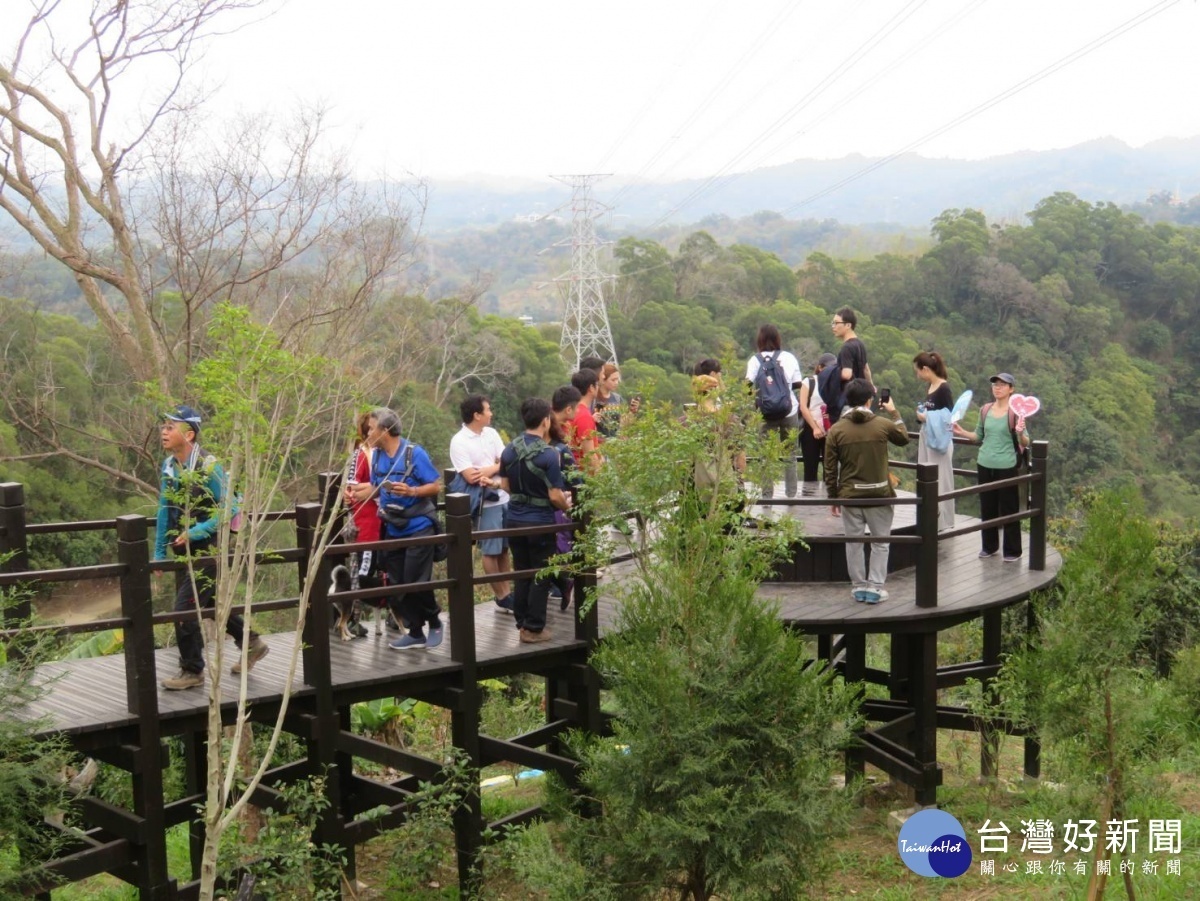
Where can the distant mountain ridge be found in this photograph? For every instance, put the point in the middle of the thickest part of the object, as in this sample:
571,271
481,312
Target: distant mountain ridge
908,191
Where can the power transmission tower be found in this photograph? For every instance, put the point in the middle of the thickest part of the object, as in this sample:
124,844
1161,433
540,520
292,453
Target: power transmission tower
585,322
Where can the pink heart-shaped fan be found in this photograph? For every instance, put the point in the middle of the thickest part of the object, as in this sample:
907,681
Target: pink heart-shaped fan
1024,405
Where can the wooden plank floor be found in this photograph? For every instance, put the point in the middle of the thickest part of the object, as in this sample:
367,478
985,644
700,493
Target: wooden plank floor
89,695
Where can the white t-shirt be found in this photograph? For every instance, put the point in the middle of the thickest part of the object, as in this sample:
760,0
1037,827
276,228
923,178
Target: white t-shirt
791,372
468,450
815,401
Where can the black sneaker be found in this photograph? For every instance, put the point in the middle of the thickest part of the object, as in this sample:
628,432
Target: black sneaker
505,604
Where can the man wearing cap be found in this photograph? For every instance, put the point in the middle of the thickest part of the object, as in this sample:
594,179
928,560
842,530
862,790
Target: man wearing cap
191,495
1001,437
856,466
407,483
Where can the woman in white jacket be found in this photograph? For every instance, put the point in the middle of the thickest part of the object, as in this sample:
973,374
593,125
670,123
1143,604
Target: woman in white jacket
936,444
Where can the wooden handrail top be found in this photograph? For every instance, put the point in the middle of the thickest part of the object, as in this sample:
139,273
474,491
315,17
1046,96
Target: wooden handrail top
990,523
837,502
70,574
387,591
99,525
89,525
390,544
1025,479
95,625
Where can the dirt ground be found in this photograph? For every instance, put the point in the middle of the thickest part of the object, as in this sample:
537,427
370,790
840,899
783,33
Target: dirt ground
72,603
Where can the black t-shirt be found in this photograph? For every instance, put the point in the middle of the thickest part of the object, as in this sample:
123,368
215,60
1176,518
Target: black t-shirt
853,356
523,482
940,398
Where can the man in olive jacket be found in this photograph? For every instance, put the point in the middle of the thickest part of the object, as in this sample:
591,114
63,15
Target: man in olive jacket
856,466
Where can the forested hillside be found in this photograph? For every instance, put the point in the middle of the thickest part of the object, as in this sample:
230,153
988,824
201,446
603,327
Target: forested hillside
1094,309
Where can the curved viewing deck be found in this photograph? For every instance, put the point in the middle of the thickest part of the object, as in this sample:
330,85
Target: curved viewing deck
112,708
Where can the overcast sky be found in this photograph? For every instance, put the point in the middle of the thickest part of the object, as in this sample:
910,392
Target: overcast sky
670,89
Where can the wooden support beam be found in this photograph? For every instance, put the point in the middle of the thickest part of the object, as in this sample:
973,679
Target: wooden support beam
496,751
114,819
379,752
520,818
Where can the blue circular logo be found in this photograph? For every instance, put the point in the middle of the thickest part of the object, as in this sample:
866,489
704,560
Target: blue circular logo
934,843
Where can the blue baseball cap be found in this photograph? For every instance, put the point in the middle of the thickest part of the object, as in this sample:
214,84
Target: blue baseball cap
1005,377
184,413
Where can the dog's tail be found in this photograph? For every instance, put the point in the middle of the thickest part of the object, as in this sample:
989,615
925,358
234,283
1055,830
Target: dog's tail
340,580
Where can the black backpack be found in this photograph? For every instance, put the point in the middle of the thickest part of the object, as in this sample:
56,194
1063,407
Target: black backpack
829,383
773,392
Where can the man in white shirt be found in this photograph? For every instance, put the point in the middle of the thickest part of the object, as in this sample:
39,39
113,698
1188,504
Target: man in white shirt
475,454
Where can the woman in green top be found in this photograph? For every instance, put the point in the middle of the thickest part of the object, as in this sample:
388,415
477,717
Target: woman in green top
1000,433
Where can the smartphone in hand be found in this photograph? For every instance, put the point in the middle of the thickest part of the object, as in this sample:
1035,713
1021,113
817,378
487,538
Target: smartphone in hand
885,395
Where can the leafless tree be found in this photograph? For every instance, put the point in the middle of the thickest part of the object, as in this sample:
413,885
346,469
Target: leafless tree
159,212
461,352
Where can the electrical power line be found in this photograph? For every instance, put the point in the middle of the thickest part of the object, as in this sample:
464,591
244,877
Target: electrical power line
1031,80
789,7
859,53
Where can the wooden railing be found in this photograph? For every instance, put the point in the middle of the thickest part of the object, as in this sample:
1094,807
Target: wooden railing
926,500
134,568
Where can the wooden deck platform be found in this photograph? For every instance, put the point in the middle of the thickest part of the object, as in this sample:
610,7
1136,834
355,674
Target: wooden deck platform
88,695
936,582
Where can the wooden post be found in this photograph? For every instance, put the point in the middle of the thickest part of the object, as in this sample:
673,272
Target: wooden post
464,716
855,671
1037,524
133,550
922,693
316,618
141,687
989,737
927,526
321,744
460,566
195,767
14,544
587,626
1033,747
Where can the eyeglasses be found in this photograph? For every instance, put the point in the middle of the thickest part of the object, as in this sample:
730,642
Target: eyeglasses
837,322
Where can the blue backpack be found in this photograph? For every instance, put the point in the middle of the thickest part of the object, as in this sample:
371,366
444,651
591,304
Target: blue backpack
773,392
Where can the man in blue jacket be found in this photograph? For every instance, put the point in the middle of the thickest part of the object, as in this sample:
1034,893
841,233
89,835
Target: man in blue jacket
408,484
192,490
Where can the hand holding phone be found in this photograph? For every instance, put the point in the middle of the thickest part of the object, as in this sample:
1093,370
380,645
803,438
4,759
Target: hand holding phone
885,395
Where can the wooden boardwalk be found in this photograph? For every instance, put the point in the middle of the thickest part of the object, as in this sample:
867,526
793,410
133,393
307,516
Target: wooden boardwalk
89,695
113,708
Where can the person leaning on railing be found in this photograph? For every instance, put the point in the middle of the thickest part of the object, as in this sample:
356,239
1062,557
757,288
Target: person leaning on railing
1001,436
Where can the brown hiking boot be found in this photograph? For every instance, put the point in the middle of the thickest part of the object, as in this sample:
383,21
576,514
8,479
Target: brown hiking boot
184,679
257,651
528,637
